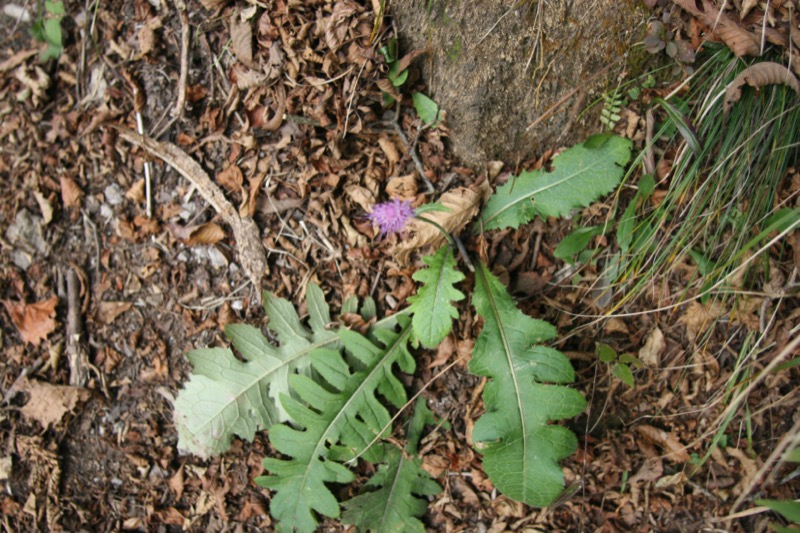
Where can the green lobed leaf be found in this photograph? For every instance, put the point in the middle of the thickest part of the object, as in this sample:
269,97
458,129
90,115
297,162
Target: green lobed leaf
225,396
392,503
432,309
582,174
333,424
521,450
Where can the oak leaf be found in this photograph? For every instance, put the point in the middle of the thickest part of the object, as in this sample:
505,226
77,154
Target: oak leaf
34,321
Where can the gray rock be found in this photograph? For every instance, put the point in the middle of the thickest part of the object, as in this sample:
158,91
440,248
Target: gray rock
27,236
495,69
114,194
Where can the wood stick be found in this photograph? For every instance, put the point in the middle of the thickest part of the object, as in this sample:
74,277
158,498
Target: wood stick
78,361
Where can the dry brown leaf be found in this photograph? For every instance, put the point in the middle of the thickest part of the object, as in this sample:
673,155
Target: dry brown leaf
208,233
758,75
231,178
107,312
388,147
406,60
699,317
49,403
463,205
34,321
444,351
5,467
339,22
44,207
737,38
136,192
616,325
749,468
402,187
675,451
651,470
747,6
71,194
16,60
213,4
653,347
361,195
148,40
242,40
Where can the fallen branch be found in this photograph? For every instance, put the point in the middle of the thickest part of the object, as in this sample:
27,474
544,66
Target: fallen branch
248,238
78,361
181,101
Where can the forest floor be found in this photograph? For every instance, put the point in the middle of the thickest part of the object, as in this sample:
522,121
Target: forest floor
102,301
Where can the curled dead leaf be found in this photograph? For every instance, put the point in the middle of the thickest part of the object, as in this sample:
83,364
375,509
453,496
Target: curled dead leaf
148,39
208,233
231,178
758,75
653,347
699,317
338,23
403,187
71,194
747,5
730,31
213,4
749,468
463,205
675,451
33,321
361,195
107,312
389,148
45,207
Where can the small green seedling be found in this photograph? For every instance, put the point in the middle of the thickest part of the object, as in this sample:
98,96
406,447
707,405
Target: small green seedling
427,109
620,364
575,244
47,28
396,76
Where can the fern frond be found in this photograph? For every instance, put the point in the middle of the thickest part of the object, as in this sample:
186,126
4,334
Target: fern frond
333,424
392,502
225,396
521,450
431,308
582,174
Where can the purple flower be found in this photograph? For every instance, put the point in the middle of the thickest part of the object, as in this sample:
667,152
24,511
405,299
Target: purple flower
391,217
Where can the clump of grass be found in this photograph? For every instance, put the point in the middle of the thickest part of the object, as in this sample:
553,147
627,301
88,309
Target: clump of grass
717,206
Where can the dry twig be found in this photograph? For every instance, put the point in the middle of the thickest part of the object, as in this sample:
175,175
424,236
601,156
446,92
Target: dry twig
248,238
78,371
181,101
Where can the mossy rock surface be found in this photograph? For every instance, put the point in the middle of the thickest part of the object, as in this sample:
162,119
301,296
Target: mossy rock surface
496,68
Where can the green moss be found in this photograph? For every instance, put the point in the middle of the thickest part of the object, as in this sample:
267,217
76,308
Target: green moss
454,51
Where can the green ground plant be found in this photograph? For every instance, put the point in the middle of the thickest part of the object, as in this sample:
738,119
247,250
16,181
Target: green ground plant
47,28
718,208
326,394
